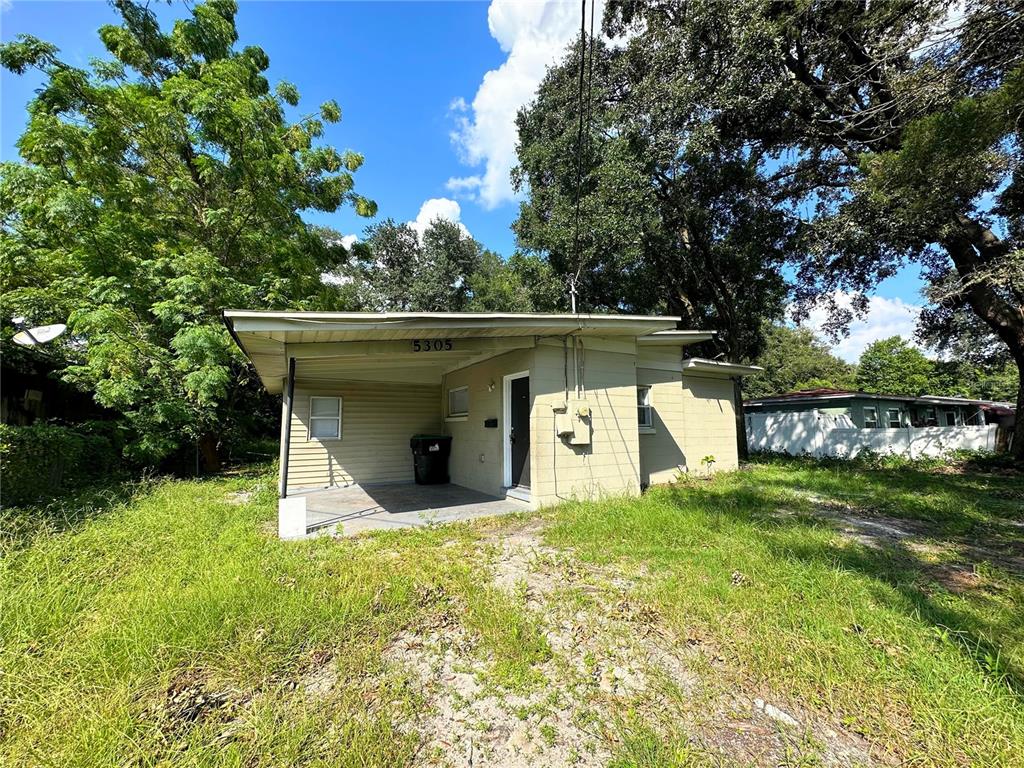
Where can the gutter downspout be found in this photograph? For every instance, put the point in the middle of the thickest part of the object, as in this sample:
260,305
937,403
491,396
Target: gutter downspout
286,448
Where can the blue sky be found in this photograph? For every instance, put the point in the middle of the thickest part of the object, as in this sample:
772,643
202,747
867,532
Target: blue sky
428,91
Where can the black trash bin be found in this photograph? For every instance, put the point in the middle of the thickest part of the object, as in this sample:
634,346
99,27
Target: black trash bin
430,458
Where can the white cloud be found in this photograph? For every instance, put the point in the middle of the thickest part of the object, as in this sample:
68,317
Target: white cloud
534,35
435,208
438,208
885,317
333,278
464,184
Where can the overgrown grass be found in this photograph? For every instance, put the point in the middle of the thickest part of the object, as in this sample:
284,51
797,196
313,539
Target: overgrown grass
870,634
101,621
108,613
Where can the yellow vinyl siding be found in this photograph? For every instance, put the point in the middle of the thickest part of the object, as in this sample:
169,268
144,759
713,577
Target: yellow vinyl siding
377,421
693,417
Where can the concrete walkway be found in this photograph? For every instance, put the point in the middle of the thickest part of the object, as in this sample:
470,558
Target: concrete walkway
352,510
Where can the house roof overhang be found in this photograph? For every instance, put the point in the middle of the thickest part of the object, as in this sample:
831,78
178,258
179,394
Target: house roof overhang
675,338
719,367
381,341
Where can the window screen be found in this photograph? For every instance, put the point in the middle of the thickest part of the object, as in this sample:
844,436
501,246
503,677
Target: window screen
870,417
458,401
893,417
644,416
324,418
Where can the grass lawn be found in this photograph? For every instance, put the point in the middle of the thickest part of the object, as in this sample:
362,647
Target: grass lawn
789,614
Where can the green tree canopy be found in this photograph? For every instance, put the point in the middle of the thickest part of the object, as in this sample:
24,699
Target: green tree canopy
795,359
895,128
642,218
445,270
893,367
523,283
157,188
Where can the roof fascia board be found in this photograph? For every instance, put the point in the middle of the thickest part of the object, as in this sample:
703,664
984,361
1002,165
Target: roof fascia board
404,316
403,348
675,338
520,327
716,367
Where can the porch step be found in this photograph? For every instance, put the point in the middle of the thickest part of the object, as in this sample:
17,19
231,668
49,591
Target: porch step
518,492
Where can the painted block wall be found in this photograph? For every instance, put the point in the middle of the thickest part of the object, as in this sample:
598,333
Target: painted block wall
476,460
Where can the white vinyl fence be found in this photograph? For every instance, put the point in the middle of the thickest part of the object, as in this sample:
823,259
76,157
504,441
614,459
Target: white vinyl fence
820,434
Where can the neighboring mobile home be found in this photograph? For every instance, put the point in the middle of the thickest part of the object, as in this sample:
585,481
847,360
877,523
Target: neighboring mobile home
539,407
836,422
872,411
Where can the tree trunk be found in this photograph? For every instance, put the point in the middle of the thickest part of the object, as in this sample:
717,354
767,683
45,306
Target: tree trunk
742,449
971,246
1017,449
209,451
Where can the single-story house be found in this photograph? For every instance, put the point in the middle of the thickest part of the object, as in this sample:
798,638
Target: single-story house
539,407
867,410
837,422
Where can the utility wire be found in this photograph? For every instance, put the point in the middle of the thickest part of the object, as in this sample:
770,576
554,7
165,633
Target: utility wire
585,112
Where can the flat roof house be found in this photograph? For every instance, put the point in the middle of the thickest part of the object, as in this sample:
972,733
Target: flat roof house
539,407
868,410
838,422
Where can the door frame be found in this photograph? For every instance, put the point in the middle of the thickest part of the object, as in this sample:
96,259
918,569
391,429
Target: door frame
506,425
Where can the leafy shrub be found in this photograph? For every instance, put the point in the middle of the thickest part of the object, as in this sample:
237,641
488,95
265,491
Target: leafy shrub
44,460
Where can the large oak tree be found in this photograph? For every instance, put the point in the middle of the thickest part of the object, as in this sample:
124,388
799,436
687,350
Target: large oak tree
895,127
640,213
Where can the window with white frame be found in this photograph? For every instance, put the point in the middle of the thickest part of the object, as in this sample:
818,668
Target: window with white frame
458,401
950,418
644,416
324,418
893,417
870,418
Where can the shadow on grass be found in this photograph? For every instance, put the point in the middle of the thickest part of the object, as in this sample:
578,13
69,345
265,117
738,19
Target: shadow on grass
914,581
19,525
909,491
921,592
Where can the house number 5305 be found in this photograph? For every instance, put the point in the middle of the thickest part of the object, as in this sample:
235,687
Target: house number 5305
431,345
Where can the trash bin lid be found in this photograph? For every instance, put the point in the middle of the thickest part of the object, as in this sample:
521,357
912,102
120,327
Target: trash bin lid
431,437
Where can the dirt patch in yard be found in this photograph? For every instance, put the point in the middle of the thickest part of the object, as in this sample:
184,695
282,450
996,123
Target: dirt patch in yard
950,560
613,662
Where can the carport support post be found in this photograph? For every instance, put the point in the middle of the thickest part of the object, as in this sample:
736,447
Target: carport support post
291,513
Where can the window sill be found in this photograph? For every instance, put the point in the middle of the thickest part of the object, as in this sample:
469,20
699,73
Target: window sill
456,418
648,431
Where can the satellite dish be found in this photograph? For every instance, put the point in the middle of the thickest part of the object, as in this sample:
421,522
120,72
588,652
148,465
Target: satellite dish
30,337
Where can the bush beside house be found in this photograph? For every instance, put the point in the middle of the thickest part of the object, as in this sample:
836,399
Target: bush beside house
43,460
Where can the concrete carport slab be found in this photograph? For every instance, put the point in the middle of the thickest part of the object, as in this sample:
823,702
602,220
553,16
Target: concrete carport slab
355,509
